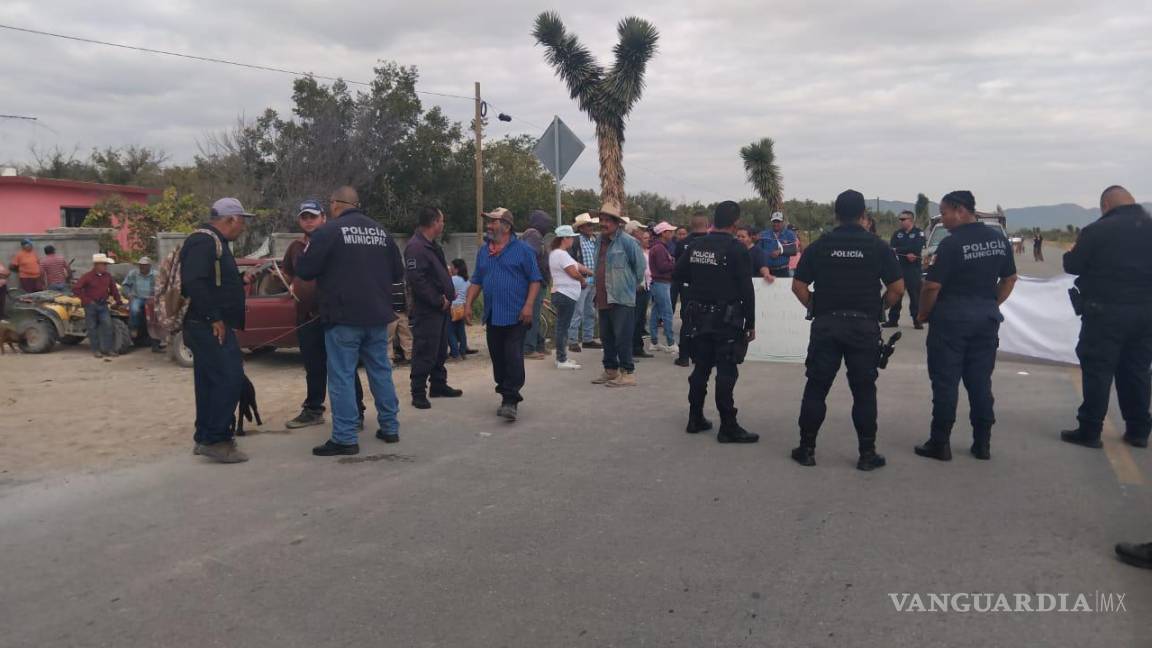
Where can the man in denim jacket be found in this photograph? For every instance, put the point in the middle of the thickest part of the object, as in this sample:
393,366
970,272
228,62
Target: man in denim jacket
619,271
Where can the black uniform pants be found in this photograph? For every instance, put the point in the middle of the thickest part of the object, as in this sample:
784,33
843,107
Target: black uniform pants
218,377
506,345
429,350
641,317
856,341
1116,342
708,351
310,337
962,350
913,279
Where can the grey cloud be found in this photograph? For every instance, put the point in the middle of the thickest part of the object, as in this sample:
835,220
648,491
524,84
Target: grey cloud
1024,102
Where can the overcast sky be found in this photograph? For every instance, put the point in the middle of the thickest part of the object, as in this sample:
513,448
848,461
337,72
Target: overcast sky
1023,102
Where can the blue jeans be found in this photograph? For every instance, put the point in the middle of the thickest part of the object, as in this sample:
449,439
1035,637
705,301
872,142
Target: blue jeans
565,306
98,321
136,311
584,316
218,376
534,340
347,346
661,312
617,325
457,339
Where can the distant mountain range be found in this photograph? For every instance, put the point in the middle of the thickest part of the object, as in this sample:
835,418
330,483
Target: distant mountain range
1044,216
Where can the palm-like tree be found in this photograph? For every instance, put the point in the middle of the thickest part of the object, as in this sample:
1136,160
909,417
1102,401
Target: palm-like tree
606,96
763,172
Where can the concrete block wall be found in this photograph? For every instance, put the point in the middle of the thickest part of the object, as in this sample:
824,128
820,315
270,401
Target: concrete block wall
76,244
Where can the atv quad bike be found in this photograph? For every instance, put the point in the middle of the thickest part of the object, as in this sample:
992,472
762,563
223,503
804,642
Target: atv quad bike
49,316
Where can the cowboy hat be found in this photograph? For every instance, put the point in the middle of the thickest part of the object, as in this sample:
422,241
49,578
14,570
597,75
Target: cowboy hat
586,219
612,209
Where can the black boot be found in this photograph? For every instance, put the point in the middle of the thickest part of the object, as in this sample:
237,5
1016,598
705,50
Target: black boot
1081,437
1137,555
697,423
731,432
444,391
420,401
1136,440
982,444
935,448
869,460
805,454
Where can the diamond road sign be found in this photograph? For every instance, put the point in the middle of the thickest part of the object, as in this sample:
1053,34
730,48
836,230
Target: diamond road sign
558,149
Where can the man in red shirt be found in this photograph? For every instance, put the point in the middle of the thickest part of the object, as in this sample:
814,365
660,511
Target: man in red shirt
94,289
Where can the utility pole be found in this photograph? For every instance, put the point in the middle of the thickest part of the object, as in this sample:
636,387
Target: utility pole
477,125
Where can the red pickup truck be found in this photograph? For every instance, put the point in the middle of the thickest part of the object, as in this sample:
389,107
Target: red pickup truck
269,313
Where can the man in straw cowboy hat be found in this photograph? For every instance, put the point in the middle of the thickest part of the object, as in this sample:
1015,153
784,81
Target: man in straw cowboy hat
619,271
581,331
94,288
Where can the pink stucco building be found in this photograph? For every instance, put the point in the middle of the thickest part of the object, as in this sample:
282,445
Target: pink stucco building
36,205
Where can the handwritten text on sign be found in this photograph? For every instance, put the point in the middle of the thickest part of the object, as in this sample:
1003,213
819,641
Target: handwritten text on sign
781,330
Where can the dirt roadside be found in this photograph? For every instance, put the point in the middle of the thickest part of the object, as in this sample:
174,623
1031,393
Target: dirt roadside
66,412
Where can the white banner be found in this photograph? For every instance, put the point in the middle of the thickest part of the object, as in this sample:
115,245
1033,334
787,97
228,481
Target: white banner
1039,321
781,330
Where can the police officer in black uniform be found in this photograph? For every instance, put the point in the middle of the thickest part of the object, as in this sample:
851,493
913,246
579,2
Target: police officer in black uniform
973,274
908,244
426,272
721,308
847,265
700,224
1113,258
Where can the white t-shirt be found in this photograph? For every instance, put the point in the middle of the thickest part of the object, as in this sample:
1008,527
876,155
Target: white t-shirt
558,260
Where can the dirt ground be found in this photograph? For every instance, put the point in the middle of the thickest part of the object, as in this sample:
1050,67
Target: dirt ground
65,412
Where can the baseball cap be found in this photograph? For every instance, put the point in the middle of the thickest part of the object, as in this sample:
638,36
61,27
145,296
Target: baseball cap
144,261
500,213
26,241
663,226
230,207
310,206
566,231
850,204
778,216
905,216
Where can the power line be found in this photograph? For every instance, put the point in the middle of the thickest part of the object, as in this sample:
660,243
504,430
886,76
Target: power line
267,68
208,59
634,163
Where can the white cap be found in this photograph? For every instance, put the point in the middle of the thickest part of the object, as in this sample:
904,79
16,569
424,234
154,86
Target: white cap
778,216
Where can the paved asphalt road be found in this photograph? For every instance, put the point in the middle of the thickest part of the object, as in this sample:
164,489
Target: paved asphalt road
594,521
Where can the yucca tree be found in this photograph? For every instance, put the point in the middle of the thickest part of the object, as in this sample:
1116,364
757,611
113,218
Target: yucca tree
763,172
606,96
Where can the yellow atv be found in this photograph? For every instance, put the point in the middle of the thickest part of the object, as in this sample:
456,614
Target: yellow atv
47,317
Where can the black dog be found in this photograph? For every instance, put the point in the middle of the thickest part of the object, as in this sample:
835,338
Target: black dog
248,408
